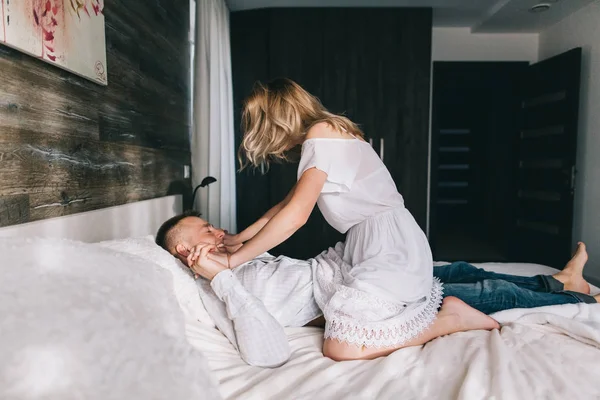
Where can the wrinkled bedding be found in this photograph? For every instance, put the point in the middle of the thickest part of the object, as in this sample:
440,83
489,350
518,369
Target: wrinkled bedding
543,353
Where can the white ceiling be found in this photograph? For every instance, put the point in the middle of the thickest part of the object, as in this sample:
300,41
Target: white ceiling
482,16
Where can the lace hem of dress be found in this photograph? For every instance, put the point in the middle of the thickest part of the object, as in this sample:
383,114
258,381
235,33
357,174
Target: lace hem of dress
381,334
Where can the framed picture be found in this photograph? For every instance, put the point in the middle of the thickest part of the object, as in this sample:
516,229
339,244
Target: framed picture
65,33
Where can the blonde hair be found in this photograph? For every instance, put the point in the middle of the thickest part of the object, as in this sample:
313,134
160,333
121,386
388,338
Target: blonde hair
275,118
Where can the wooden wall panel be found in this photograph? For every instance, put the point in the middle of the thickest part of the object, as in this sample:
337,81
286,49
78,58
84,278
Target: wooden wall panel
68,145
14,209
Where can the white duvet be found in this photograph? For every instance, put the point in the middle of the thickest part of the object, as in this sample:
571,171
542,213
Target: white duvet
82,322
544,353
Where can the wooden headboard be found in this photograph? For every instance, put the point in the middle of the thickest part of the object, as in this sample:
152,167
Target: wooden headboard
68,145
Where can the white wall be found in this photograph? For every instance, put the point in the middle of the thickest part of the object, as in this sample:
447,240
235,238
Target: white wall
459,44
582,29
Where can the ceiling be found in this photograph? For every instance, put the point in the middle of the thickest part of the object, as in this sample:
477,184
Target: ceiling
482,16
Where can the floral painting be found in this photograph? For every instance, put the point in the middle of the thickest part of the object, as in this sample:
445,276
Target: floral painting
66,33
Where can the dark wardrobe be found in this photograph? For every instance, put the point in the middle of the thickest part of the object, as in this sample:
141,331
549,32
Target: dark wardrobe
372,64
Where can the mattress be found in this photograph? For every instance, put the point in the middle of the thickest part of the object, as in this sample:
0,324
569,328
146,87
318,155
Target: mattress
542,353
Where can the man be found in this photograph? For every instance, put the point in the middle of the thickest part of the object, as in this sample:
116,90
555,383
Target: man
251,304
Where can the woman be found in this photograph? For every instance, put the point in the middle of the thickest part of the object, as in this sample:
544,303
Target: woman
380,295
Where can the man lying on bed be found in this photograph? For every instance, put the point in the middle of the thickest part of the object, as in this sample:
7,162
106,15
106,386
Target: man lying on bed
251,304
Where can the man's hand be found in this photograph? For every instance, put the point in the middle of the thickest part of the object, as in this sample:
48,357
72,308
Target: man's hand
202,264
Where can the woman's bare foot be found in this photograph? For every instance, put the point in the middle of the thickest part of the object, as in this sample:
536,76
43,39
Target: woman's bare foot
454,316
464,316
597,297
572,275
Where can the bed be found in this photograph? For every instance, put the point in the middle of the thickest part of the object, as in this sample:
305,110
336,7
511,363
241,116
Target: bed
543,353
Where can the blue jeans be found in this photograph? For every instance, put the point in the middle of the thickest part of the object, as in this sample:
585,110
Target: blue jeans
490,292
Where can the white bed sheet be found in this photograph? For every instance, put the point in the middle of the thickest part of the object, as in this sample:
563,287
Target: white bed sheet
543,353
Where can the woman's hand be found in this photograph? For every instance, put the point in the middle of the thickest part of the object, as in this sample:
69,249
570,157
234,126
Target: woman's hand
230,240
286,221
202,263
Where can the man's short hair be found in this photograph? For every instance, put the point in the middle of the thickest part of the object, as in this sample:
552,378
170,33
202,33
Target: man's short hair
166,232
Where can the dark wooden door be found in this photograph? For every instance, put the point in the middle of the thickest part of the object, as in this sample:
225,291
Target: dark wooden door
545,168
475,117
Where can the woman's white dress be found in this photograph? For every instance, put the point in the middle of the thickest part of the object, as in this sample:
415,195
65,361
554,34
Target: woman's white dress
377,289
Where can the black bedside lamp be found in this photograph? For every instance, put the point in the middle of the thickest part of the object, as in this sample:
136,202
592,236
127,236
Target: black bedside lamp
205,182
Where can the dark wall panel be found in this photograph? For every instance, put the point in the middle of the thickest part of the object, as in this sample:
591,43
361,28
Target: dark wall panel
372,64
68,145
249,63
299,57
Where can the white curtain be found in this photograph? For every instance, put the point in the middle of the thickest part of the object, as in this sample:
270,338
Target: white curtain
212,138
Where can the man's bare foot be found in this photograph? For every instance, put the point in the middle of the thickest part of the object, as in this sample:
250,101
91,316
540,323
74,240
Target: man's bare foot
572,275
466,317
597,297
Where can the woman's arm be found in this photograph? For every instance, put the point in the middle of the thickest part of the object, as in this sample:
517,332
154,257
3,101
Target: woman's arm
291,217
253,229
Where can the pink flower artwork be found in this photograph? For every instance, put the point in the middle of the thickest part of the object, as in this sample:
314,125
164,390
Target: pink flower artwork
66,33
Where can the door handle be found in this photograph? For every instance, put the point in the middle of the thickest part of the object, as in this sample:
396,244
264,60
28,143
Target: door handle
381,144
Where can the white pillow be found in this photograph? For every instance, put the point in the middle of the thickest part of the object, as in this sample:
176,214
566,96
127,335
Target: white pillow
82,322
184,285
